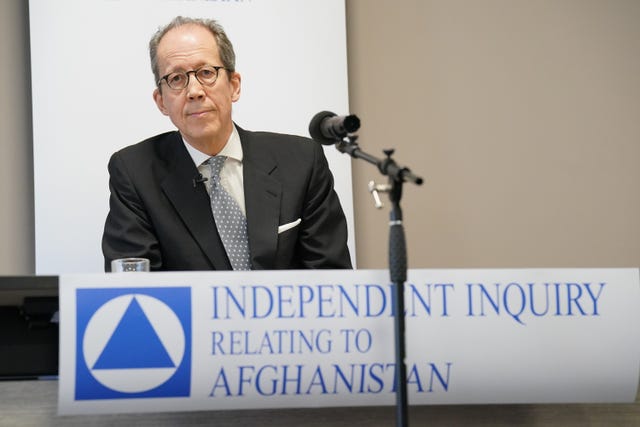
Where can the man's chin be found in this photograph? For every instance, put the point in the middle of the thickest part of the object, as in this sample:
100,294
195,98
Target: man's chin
206,141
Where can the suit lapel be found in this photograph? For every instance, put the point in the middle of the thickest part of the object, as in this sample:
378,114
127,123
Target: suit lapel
262,194
192,202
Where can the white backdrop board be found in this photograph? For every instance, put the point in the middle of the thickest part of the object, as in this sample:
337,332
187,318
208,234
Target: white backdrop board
92,95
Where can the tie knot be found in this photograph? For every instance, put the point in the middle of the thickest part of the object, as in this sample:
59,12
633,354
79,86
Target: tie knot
216,164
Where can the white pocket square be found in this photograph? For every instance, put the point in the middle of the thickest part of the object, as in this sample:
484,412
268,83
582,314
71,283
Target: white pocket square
285,227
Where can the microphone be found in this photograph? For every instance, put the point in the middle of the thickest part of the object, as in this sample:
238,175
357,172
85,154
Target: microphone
198,179
327,128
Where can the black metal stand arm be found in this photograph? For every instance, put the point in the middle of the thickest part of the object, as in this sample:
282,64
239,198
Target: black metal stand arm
386,166
397,259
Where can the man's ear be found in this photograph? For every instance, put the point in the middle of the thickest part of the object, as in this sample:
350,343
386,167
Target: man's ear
157,97
236,85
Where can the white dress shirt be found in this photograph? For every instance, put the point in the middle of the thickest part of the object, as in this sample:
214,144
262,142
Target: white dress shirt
231,174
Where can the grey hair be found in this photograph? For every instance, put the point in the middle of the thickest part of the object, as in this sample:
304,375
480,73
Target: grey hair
227,55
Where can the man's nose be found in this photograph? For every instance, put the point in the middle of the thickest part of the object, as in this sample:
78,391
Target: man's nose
195,89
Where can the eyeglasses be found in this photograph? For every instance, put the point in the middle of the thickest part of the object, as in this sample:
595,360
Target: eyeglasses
206,75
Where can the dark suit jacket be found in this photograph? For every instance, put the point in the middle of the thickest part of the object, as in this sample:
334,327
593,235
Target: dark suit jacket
157,212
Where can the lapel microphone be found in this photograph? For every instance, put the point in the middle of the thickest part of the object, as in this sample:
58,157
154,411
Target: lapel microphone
198,179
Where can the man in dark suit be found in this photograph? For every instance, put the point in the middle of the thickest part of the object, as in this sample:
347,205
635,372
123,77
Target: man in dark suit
160,205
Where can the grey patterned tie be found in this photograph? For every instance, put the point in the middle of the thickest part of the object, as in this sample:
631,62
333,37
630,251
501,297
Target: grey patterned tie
230,221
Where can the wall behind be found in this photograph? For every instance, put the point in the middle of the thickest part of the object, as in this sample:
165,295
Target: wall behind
524,118
16,154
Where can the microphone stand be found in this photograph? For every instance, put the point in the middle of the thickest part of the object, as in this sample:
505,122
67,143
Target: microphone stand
397,256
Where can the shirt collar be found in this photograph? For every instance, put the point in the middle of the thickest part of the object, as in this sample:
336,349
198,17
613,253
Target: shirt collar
232,149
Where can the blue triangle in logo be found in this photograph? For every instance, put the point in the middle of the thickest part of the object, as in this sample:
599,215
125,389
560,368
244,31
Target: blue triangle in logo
134,344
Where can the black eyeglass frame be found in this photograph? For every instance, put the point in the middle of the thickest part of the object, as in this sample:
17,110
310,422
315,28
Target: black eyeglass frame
217,69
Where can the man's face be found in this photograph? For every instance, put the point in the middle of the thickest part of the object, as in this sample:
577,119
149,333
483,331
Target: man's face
202,114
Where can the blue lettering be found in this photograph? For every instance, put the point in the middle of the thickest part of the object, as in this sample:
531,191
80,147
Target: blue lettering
322,300
441,379
426,302
376,378
494,303
303,339
414,294
244,379
217,338
235,343
345,296
265,344
267,298
445,288
557,286
305,299
392,366
369,289
296,379
532,298
573,300
507,305
215,302
221,381
363,345
273,382
323,341
594,298
348,383
414,378
285,299
240,306
317,380
362,369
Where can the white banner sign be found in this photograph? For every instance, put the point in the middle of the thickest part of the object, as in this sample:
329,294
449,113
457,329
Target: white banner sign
140,342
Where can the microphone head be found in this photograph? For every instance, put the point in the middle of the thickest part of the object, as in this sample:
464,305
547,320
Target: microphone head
315,129
351,123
